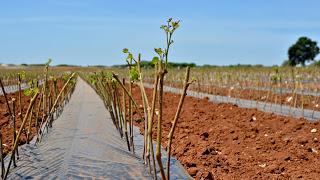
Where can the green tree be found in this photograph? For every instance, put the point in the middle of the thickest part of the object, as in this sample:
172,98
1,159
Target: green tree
302,51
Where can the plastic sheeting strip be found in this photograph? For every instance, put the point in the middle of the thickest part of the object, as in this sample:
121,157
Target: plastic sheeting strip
84,143
15,88
262,106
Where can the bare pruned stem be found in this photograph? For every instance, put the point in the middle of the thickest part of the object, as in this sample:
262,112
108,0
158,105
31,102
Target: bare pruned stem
14,127
128,93
6,99
159,129
124,114
175,119
3,169
16,142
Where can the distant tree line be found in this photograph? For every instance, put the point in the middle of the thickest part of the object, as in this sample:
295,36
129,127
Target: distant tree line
58,65
233,65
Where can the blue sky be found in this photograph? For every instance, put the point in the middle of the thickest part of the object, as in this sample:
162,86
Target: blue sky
88,32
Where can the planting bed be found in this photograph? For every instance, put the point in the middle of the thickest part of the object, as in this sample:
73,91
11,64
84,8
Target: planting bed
84,144
7,126
309,101
223,141
260,105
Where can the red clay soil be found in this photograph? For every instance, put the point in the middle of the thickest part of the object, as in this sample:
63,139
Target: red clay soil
223,141
6,126
309,101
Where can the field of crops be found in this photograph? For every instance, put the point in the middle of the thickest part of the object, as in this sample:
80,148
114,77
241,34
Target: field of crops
218,123
31,99
226,141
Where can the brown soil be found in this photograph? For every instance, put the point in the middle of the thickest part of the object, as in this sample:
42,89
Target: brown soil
309,102
6,125
223,141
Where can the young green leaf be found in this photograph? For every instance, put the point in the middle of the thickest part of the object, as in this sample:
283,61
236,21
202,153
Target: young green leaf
31,91
35,90
48,62
130,56
125,50
27,92
109,75
22,75
134,74
154,61
165,28
93,81
175,24
158,51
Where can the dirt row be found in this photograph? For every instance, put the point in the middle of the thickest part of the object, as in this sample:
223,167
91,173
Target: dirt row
6,124
288,99
223,141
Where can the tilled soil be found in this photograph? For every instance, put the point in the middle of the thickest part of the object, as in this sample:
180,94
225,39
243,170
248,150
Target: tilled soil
288,99
6,124
223,141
